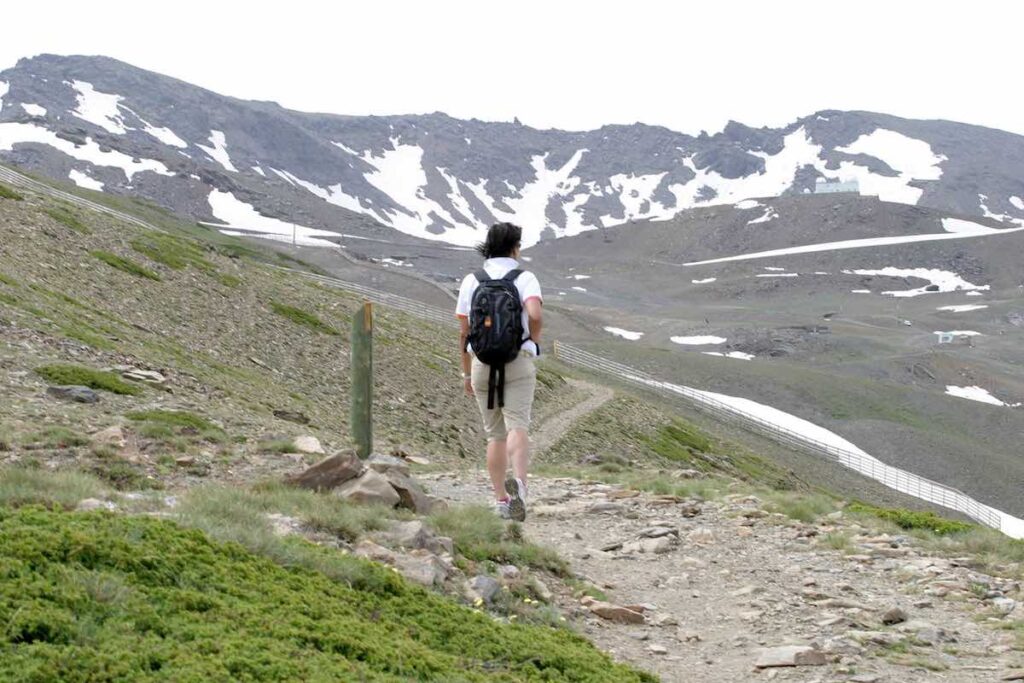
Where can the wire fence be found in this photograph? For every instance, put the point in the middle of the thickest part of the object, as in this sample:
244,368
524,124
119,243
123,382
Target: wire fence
894,478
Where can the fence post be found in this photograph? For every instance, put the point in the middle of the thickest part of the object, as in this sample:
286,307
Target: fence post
361,416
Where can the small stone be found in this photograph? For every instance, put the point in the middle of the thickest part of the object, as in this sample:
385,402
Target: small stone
688,636
77,394
605,507
616,613
291,416
841,646
111,437
894,615
308,444
866,678
657,649
657,546
422,567
665,620
658,532
1004,605
790,655
747,591
1014,676
484,587
701,536
542,591
639,635
185,461
411,495
509,572
90,504
370,488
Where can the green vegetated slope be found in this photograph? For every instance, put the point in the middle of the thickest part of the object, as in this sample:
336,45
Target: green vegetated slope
102,597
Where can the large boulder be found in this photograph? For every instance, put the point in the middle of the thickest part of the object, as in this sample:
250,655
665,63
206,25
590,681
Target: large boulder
369,488
329,473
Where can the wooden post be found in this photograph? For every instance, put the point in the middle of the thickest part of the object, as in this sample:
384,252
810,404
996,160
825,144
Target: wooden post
361,420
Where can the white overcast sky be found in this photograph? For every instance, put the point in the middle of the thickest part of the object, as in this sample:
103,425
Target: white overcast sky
564,63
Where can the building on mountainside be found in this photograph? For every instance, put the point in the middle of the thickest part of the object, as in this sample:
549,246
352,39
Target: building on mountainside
825,186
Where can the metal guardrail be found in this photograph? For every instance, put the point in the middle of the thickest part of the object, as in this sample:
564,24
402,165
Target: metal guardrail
894,478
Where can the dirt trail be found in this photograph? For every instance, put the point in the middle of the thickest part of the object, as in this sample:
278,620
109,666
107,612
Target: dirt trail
732,580
722,581
552,429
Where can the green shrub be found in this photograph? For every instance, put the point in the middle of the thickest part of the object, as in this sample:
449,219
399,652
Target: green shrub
8,280
123,475
102,597
8,193
909,519
166,425
127,265
66,375
301,317
65,217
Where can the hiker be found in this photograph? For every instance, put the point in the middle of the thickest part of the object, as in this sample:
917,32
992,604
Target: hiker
499,310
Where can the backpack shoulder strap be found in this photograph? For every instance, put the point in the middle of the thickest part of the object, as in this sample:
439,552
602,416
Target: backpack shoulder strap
513,274
482,276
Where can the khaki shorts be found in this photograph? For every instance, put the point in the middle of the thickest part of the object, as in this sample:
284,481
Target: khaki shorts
520,381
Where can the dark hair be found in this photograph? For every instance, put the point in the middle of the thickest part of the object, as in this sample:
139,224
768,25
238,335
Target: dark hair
501,240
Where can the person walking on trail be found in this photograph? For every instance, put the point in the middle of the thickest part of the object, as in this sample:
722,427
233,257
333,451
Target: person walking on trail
499,311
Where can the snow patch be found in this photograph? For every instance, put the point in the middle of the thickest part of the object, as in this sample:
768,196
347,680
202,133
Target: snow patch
959,226
579,289
975,294
395,262
861,244
164,135
704,281
698,340
99,109
977,394
747,204
577,277
963,308
82,180
239,216
913,159
625,334
732,354
769,214
774,269
778,275
342,146
860,291
259,170
943,279
14,133
962,333
1017,202
219,151
34,109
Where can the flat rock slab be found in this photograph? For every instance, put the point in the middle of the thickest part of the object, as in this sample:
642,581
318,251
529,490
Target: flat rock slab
790,655
330,473
77,394
370,488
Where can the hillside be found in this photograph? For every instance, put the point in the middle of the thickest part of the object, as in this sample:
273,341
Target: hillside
89,298
257,167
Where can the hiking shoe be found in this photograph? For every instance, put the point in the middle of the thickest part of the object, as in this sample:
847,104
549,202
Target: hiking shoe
501,509
516,498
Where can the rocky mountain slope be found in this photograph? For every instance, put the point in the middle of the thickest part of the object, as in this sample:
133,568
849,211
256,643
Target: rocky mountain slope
259,167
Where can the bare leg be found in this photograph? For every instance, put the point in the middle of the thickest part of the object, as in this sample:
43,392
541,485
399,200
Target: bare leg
519,452
497,464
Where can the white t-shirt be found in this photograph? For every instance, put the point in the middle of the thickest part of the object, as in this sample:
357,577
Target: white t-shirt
526,283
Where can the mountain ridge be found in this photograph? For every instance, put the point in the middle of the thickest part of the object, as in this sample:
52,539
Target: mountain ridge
230,161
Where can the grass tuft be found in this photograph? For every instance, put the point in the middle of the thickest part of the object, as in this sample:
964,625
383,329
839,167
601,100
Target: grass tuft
24,486
77,375
65,217
124,264
480,536
301,317
910,519
58,437
8,193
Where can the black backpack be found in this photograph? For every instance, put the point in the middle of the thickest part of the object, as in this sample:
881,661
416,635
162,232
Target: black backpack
496,328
